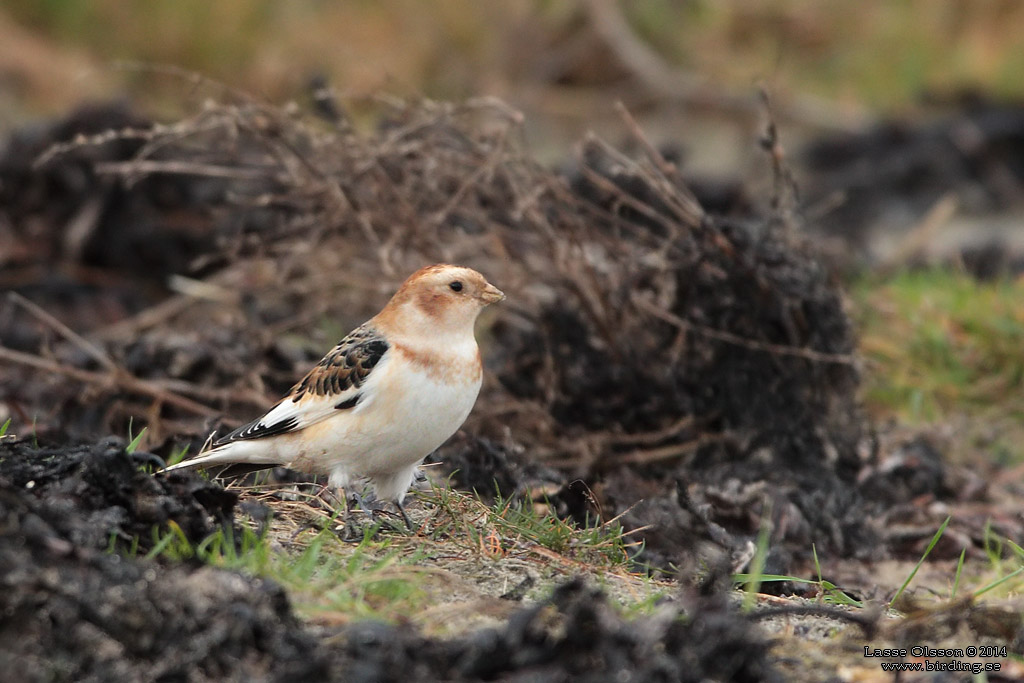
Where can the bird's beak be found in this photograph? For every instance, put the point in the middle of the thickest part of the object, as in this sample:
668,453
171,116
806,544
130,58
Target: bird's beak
491,294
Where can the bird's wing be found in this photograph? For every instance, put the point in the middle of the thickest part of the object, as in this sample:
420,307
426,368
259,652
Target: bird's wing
333,385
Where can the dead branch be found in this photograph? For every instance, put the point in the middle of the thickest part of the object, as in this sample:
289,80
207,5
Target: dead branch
95,141
649,438
91,349
688,209
146,318
147,166
647,456
626,199
119,379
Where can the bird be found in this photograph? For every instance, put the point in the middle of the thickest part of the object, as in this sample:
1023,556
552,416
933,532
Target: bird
389,394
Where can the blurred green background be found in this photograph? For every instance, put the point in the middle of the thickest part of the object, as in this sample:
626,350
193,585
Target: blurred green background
550,57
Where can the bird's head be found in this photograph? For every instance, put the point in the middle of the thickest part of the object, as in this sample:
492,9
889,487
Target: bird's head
439,299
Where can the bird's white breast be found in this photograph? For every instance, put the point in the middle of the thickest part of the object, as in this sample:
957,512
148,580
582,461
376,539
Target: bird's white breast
406,410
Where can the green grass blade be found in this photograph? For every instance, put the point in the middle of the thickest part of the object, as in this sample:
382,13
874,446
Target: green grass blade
160,546
959,571
177,456
998,582
833,592
817,565
174,535
927,551
134,445
753,586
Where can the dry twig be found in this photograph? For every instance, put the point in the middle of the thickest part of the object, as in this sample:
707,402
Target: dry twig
121,380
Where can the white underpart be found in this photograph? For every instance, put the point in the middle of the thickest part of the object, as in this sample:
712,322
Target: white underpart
402,418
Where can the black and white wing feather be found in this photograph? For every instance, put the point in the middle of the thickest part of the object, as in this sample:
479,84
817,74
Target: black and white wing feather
334,384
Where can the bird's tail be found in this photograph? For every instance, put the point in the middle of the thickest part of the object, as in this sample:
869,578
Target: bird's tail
229,453
214,457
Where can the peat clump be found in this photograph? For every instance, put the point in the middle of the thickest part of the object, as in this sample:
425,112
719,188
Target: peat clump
94,495
691,353
92,193
574,635
73,612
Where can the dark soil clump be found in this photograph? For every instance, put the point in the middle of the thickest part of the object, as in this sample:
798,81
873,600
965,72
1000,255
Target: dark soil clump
493,469
76,613
574,635
94,494
702,355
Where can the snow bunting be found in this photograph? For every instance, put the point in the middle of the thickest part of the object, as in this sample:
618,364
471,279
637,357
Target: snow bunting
384,398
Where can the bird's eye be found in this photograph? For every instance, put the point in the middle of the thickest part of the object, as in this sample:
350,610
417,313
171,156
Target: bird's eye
455,286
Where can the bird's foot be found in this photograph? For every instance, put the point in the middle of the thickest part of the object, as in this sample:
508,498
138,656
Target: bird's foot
408,522
366,516
362,504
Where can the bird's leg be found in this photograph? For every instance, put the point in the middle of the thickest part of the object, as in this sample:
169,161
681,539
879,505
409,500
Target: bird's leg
408,522
353,531
369,508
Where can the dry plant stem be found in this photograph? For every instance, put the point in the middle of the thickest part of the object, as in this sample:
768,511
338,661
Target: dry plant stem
730,338
647,456
485,170
139,167
650,438
166,137
146,318
921,235
92,140
785,197
677,194
598,212
158,388
195,78
626,200
117,378
94,351
81,226
237,395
